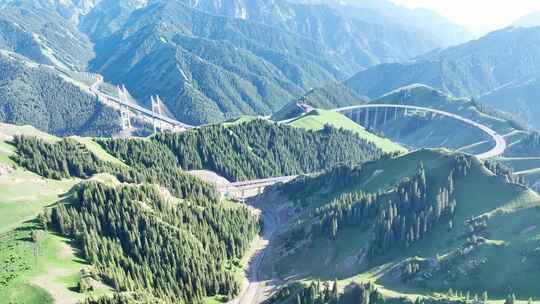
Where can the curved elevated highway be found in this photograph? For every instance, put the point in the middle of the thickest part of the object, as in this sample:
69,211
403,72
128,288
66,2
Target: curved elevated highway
500,142
250,188
252,293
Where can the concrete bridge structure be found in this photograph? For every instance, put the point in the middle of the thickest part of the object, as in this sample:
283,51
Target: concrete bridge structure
387,111
245,189
380,113
127,108
391,111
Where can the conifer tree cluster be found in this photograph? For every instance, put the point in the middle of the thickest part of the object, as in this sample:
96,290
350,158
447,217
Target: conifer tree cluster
412,212
260,149
326,293
123,298
500,169
529,146
69,158
314,293
178,248
398,218
139,241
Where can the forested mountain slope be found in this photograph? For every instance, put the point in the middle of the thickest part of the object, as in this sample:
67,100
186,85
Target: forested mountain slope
330,96
428,24
209,61
217,67
45,32
50,100
252,150
147,228
417,129
423,222
470,69
520,99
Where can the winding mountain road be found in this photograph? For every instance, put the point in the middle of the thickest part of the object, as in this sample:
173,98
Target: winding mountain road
253,292
258,283
500,142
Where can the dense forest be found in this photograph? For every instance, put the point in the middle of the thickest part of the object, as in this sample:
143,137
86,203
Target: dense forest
180,247
123,298
176,251
39,96
399,218
68,158
260,149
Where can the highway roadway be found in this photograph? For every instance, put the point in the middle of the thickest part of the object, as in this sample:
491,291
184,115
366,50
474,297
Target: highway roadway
94,88
500,142
253,292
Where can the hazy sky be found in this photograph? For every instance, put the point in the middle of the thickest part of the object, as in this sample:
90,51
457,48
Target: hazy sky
478,16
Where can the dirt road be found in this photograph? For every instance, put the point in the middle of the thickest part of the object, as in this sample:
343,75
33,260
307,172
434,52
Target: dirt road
259,284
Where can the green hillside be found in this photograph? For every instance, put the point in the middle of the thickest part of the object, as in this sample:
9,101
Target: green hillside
317,119
417,129
483,240
52,189
330,96
47,269
50,100
250,150
453,71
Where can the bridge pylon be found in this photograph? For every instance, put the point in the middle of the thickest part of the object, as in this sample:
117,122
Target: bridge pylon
156,111
125,115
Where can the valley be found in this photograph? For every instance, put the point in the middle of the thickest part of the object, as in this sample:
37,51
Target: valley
268,152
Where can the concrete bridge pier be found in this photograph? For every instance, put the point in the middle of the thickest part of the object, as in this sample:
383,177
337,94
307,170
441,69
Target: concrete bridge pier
125,118
366,119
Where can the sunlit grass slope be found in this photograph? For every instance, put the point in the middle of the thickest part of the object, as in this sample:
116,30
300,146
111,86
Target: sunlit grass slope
317,119
506,258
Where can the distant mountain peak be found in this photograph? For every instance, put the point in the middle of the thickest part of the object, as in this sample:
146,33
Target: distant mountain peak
530,20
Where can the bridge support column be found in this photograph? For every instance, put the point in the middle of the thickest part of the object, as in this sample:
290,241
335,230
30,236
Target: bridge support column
366,119
124,118
375,118
156,111
385,114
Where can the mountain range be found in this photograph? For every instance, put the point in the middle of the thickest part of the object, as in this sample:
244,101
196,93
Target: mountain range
500,70
213,60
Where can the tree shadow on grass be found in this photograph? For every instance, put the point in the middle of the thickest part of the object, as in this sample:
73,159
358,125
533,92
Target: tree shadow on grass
77,252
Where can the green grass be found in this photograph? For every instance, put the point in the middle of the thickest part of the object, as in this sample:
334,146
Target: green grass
27,294
317,119
23,194
514,214
45,270
29,272
7,131
97,150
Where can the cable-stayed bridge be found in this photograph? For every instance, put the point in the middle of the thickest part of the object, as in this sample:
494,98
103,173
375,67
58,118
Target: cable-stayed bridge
154,116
